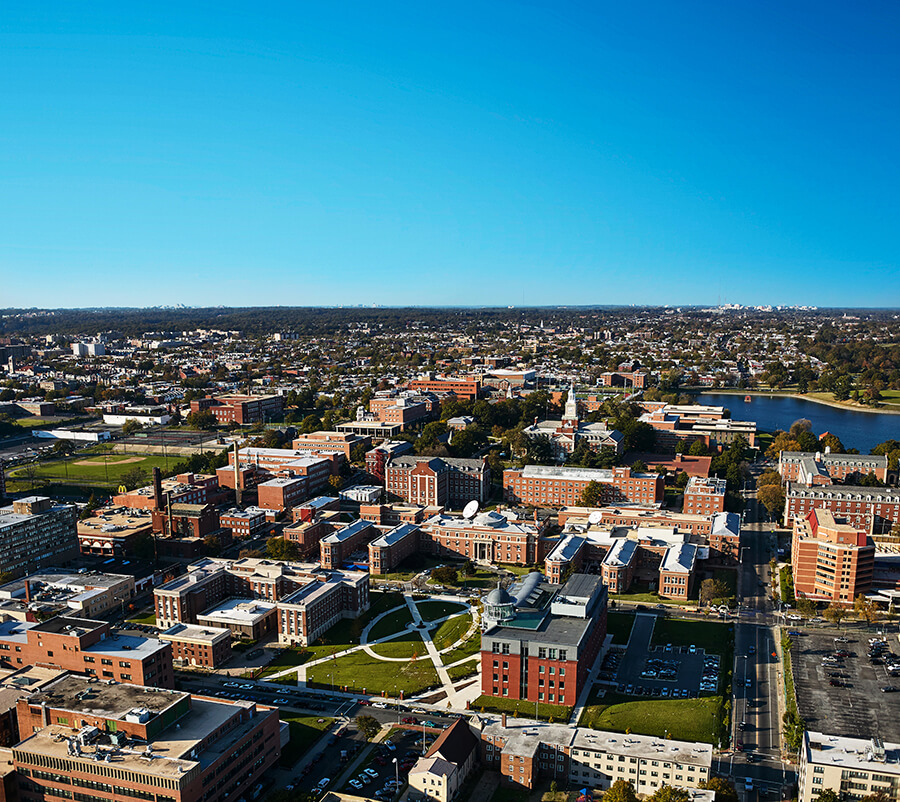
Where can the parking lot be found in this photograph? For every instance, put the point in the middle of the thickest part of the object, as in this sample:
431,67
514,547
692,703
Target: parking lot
377,774
667,670
855,705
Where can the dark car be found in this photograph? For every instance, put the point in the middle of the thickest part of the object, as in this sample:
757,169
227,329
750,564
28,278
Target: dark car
888,689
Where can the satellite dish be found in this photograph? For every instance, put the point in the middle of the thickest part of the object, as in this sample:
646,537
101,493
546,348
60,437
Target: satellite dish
595,517
471,509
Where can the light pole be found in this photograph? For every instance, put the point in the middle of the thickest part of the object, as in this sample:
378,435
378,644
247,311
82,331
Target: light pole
396,774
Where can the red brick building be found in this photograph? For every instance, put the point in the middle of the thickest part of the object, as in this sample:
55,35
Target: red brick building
209,647
115,742
837,467
437,481
337,547
338,442
549,486
241,409
831,560
704,496
86,646
875,509
541,640
185,488
186,520
467,389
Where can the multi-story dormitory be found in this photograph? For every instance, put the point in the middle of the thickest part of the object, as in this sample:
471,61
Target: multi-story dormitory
308,598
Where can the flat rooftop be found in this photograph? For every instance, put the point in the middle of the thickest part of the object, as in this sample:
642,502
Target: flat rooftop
192,632
238,611
75,692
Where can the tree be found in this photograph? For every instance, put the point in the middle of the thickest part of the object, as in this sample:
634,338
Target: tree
768,477
828,795
136,477
280,549
131,426
591,494
311,423
368,726
723,789
335,482
669,793
620,791
835,613
211,545
832,442
772,498
806,607
63,447
866,609
639,466
713,590
793,728
204,420
446,575
698,449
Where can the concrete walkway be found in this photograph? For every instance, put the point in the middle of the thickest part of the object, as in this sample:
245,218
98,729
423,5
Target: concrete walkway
585,694
433,654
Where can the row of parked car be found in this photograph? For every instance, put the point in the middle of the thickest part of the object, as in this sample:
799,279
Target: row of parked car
709,678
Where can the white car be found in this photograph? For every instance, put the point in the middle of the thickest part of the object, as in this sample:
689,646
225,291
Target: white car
356,784
794,617
371,772
379,705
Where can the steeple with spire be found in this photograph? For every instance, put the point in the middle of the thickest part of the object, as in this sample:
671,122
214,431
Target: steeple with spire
570,415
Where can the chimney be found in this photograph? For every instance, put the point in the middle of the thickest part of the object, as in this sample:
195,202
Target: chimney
27,592
503,720
157,488
237,475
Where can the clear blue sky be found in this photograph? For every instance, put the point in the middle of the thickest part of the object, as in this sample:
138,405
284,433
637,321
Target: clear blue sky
449,153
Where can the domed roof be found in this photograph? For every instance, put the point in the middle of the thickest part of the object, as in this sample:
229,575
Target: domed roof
498,597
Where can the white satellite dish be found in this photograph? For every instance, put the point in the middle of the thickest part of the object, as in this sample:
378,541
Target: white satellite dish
471,509
595,517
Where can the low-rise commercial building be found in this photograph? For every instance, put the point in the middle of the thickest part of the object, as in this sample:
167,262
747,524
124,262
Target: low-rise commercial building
243,524
115,532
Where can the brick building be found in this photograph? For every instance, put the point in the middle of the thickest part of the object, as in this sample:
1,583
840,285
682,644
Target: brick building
637,515
324,441
185,488
387,551
540,641
320,603
114,742
337,547
704,496
831,560
525,752
876,509
37,533
241,409
192,645
468,389
378,457
114,532
805,466
488,537
243,524
283,492
566,434
437,481
551,486
86,646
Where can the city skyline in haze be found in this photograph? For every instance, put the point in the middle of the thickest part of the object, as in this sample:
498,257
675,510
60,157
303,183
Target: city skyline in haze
518,154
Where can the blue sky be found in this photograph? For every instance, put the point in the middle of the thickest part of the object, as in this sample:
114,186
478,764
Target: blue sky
437,153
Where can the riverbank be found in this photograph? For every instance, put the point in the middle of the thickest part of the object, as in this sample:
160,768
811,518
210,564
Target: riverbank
852,406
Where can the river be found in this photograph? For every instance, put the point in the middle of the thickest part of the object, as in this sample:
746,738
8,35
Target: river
856,429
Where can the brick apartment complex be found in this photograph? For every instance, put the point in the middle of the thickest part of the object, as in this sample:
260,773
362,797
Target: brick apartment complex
541,640
830,559
525,753
704,496
550,486
210,583
876,509
466,389
308,534
86,646
806,467
318,605
209,647
621,378
241,409
285,492
437,481
105,743
37,533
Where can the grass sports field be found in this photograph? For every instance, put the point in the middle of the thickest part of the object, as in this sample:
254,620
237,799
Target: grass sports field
104,471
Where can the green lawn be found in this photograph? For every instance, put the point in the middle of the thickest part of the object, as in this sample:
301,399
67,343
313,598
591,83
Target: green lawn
451,631
407,645
520,570
463,670
492,704
480,579
92,470
360,673
147,618
409,568
396,621
619,626
681,719
347,631
648,597
432,610
305,731
466,649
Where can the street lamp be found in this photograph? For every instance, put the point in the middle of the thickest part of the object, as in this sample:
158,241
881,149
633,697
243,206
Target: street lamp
396,773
